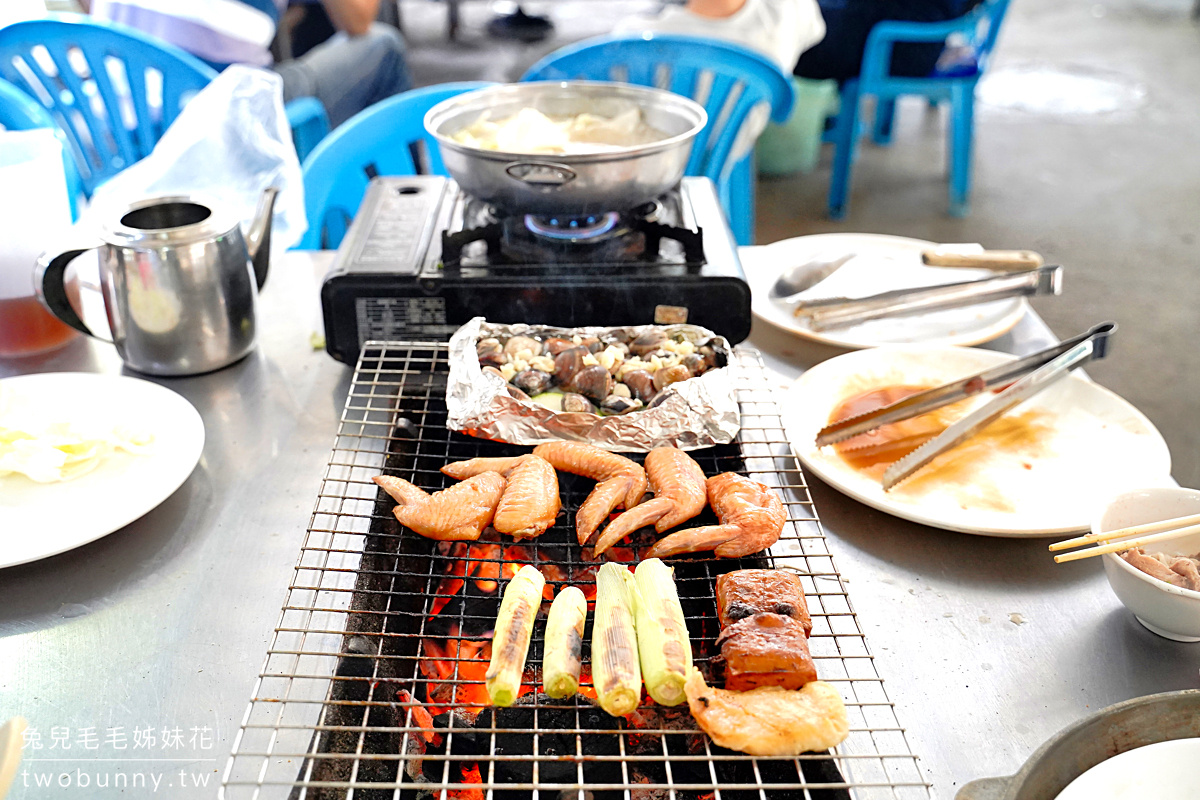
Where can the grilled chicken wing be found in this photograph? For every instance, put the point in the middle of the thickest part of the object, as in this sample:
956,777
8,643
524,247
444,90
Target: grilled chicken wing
621,481
599,504
461,470
530,501
769,721
460,512
679,494
751,516
578,458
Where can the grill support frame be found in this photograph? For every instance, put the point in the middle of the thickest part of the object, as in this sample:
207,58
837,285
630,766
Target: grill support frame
317,717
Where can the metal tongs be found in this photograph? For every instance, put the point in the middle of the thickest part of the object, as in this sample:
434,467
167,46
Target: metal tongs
840,312
1022,378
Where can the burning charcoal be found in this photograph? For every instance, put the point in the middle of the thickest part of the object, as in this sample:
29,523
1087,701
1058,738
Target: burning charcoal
519,344
665,377
648,342
640,383
567,364
615,404
554,345
577,402
593,382
555,725
532,381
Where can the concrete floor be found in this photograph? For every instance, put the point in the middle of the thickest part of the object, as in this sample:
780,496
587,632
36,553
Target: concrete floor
1086,151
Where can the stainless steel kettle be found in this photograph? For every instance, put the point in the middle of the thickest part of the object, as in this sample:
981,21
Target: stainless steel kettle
179,283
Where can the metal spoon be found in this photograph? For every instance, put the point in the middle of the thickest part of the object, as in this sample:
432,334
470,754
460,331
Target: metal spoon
807,275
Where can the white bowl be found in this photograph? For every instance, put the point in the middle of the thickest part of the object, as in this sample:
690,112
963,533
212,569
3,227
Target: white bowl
1167,610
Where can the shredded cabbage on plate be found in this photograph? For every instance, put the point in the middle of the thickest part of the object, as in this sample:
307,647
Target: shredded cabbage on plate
47,450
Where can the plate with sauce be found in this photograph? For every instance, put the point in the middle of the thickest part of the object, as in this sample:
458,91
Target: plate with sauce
881,263
1042,469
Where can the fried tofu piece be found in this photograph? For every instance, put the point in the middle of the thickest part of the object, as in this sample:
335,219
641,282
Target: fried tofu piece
746,592
766,650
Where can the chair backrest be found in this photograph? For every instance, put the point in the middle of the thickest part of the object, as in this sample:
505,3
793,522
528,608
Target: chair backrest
389,138
20,112
982,35
112,90
727,79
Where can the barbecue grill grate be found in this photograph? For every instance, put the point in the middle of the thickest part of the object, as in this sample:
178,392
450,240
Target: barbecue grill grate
368,693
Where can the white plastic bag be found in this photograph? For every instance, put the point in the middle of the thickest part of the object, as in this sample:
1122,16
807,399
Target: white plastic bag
230,141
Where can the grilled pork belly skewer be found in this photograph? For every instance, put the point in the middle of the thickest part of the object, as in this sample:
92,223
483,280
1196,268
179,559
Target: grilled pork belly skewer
679,494
458,513
751,516
621,481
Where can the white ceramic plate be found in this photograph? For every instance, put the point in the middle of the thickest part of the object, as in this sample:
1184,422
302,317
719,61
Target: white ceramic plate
1047,467
882,263
1161,771
43,519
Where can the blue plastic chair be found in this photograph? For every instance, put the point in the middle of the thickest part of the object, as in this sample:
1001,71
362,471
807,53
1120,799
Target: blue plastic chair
978,30
728,80
20,112
309,123
112,90
380,140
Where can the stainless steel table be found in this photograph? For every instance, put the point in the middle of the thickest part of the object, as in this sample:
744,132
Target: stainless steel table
140,651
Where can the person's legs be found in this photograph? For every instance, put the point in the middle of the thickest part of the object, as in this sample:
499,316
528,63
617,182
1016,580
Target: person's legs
839,54
347,74
847,23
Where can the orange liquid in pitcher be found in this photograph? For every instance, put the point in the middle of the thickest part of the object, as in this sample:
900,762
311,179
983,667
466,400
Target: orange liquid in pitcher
27,328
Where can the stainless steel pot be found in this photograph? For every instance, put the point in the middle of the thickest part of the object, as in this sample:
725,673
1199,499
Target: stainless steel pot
1110,731
567,184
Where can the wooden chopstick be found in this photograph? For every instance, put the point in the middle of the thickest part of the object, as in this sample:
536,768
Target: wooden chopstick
1126,544
1133,530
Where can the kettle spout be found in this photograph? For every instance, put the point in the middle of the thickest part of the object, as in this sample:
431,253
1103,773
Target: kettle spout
258,238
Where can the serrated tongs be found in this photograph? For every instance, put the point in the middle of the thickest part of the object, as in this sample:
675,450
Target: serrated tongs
1022,378
840,312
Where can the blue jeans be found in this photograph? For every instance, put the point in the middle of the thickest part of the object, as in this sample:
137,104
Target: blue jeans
349,73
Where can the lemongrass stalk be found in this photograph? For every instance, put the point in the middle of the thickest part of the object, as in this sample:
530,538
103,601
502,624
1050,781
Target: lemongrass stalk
564,644
514,627
615,670
663,643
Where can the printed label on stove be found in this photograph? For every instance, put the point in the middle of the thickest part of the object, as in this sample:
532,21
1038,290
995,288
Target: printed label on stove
670,315
392,318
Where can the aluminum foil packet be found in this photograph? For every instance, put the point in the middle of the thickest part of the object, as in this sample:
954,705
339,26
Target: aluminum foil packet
693,413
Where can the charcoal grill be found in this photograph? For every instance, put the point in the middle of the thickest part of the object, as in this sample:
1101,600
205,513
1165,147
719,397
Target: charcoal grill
372,686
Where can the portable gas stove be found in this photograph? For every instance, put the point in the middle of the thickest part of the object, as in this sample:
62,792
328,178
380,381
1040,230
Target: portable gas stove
421,258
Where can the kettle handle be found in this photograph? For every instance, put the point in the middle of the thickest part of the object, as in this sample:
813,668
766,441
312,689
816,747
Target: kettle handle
52,291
